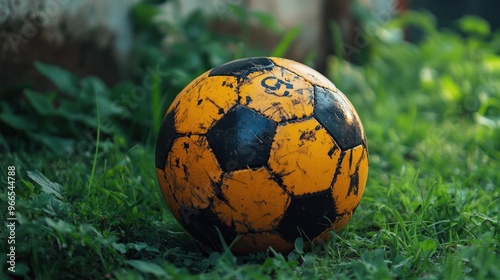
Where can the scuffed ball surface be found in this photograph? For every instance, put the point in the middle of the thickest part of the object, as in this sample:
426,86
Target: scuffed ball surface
263,148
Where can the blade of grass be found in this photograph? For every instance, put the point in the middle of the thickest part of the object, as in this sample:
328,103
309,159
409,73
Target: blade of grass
91,179
285,43
338,41
156,104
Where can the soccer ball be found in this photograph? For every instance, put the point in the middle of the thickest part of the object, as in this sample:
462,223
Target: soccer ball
261,151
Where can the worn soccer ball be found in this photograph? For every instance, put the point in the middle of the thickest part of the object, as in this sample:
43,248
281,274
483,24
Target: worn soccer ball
264,149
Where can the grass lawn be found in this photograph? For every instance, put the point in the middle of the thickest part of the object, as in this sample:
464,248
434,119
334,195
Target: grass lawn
430,209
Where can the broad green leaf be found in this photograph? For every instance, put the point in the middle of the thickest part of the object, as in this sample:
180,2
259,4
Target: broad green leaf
214,258
55,207
138,246
109,108
428,246
64,80
120,247
46,185
16,122
299,245
92,86
59,226
147,267
74,112
492,62
58,145
474,25
450,89
40,102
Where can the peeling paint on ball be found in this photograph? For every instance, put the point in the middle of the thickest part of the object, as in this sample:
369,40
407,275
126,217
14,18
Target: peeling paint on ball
266,149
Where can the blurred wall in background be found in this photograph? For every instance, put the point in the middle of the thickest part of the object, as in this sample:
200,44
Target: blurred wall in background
87,37
95,36
314,18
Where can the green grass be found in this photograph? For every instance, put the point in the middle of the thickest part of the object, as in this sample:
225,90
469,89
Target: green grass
430,209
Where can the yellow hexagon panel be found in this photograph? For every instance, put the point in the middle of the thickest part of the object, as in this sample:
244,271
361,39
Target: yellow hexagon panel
305,156
260,242
278,94
250,200
203,102
350,181
191,170
309,74
189,87
167,193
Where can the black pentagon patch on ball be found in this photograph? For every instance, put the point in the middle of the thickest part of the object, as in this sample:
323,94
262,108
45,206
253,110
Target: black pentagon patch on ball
337,117
203,225
240,68
308,216
166,137
241,139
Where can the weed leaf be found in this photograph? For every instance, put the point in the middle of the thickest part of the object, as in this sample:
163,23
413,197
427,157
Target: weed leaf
16,122
57,145
59,226
474,25
138,246
147,267
299,245
64,80
46,185
40,102
55,207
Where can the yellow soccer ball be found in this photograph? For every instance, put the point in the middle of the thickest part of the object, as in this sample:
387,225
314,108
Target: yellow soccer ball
266,149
